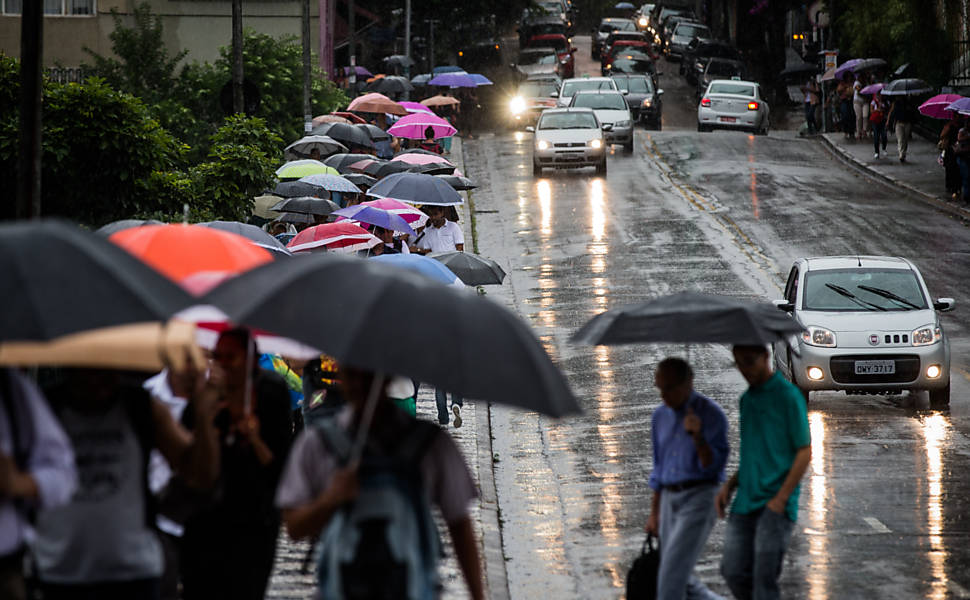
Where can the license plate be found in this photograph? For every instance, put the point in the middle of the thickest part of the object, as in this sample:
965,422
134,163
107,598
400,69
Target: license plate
728,120
875,367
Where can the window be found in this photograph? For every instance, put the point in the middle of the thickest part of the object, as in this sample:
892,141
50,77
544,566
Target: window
825,290
53,7
12,7
568,121
600,101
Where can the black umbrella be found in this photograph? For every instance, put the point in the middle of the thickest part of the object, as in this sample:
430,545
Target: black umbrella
296,218
801,69
867,64
391,84
360,180
907,87
440,168
342,162
295,189
306,206
348,135
123,224
251,233
472,269
458,182
398,60
689,317
57,279
417,188
349,308
417,151
381,170
376,133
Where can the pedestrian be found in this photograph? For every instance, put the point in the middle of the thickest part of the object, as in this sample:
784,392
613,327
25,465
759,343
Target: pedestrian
961,150
429,143
902,114
690,450
877,117
36,471
953,179
229,546
860,107
102,545
846,114
391,244
810,89
775,451
320,488
440,234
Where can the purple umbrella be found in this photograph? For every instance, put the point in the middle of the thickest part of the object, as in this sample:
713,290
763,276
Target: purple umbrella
961,106
376,216
936,107
359,70
846,67
454,80
871,89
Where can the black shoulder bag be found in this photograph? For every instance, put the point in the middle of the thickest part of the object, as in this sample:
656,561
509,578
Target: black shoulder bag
641,580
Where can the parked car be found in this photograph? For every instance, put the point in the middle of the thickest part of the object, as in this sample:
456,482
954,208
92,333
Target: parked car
564,50
576,84
660,13
541,25
605,28
699,49
611,111
733,104
719,68
530,99
643,98
871,326
567,138
682,34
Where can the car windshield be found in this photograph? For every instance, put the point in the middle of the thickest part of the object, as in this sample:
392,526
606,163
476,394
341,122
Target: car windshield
739,89
600,101
568,120
824,290
571,87
691,30
537,89
721,68
634,85
626,26
632,65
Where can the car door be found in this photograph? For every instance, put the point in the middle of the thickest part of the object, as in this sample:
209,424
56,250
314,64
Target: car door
781,348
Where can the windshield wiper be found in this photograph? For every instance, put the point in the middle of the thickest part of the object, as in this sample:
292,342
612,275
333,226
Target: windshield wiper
889,295
844,292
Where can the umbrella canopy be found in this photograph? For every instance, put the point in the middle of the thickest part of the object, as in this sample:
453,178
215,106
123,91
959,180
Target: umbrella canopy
336,237
376,133
872,88
250,232
446,69
295,169
416,107
936,107
307,206
376,103
689,317
480,79
331,183
961,106
413,216
868,64
116,226
828,75
417,188
295,189
383,169
323,144
354,119
376,216
435,168
624,6
453,80
57,279
296,219
441,100
421,264
471,268
907,87
458,182
799,69
414,125
179,251
360,180
420,159
357,70
347,307
846,67
342,162
262,205
422,79
398,60
348,135
418,151
391,84
320,120
361,165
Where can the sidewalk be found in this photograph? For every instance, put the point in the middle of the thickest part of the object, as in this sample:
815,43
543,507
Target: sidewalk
920,175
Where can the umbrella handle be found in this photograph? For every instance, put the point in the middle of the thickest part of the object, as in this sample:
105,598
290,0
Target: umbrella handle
366,419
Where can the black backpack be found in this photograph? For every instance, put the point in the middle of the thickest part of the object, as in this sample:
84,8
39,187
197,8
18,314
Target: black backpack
641,580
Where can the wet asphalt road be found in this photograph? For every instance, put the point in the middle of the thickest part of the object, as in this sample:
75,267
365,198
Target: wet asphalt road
884,504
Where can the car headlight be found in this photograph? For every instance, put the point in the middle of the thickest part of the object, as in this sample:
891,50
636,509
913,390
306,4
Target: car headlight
642,22
517,105
926,335
622,124
542,144
647,102
597,143
819,336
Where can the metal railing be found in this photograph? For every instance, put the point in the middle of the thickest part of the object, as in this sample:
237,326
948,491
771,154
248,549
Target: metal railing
960,66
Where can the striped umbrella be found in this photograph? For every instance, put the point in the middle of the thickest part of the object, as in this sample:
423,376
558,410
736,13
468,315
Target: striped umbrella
335,237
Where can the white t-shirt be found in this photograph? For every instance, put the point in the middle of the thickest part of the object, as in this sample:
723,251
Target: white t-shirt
442,239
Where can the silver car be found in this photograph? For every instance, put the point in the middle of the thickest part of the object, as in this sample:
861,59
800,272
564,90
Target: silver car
611,111
575,84
568,138
870,327
733,104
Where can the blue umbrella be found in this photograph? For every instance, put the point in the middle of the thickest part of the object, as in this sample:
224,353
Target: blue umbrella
376,216
416,188
447,69
422,264
331,183
480,79
421,79
624,6
453,80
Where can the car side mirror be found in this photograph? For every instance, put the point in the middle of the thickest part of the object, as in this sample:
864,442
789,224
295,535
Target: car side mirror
530,129
554,95
660,92
607,127
784,305
944,304
625,92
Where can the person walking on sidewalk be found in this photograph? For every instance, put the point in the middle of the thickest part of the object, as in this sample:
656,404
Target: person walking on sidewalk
902,115
860,107
877,117
810,89
846,115
775,451
962,151
690,450
947,145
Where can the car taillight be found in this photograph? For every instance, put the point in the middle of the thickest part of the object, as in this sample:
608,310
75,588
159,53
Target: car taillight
752,106
705,102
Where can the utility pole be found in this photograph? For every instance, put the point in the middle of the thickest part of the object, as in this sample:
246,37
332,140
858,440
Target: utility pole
307,109
31,91
238,105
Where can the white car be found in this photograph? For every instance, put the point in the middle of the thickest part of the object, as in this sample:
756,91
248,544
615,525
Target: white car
568,138
575,84
870,327
612,111
733,104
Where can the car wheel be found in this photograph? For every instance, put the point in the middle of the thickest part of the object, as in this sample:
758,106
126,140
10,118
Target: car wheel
536,169
940,398
628,147
601,168
702,128
657,124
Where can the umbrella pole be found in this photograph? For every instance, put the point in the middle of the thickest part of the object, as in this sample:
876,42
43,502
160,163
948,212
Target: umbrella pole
366,419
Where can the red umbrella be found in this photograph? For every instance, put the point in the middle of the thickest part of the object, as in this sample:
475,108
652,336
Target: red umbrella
336,237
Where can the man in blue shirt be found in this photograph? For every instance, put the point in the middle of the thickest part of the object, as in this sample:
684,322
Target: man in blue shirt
690,449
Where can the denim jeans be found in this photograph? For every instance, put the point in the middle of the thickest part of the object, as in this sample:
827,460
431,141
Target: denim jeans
686,519
810,117
754,547
963,163
878,136
441,398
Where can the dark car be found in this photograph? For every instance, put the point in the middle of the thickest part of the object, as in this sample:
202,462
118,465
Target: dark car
701,48
643,98
633,63
541,25
659,15
621,47
605,28
719,68
564,50
681,35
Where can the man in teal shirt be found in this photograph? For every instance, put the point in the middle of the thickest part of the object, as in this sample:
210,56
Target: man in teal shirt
775,451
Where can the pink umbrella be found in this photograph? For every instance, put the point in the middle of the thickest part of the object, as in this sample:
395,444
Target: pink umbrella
413,126
416,107
336,237
413,158
414,217
872,89
935,107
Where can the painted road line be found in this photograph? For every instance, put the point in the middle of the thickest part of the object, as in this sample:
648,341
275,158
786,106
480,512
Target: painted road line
876,524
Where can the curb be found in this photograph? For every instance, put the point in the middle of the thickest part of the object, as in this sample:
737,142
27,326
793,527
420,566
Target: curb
850,161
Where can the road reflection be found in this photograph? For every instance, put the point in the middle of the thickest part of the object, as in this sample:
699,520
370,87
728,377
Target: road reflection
818,574
935,431
754,178
599,247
